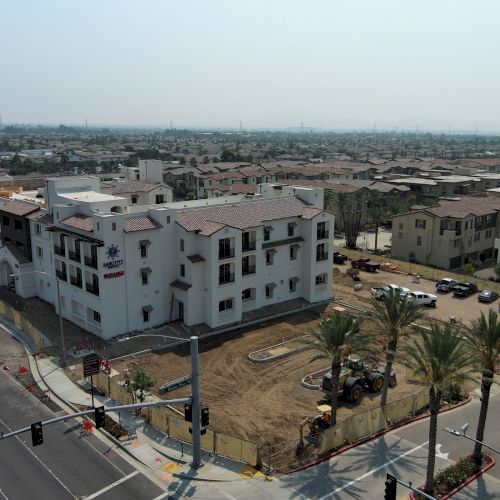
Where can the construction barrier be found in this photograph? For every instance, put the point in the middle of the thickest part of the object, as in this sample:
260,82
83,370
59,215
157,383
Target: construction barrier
372,421
39,340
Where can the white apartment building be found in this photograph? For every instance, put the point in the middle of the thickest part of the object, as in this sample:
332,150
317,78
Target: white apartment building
124,268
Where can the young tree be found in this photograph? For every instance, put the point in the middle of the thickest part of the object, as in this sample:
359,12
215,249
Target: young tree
141,382
442,359
392,316
483,338
193,162
336,338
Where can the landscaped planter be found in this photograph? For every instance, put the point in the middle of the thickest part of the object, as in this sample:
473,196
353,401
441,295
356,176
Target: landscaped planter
456,477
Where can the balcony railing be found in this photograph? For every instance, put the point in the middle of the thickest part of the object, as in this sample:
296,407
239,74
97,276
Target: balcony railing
248,270
226,278
322,235
226,255
75,281
250,245
61,275
321,256
60,250
91,262
92,288
76,256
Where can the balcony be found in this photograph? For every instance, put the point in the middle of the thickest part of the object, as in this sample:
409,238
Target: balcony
75,281
76,256
321,256
61,275
322,235
248,246
60,250
226,278
229,254
93,289
248,270
91,262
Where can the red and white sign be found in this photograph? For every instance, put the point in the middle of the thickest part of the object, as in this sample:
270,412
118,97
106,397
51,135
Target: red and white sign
116,274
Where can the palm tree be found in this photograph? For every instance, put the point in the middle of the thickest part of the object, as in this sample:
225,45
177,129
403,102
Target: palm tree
392,316
483,336
442,359
376,214
336,338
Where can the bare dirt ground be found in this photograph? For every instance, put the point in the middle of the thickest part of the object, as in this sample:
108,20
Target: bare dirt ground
260,402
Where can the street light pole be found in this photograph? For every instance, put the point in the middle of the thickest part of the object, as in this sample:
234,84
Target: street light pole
463,433
61,330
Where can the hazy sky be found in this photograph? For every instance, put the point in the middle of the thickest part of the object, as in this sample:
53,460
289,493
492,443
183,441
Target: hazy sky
270,63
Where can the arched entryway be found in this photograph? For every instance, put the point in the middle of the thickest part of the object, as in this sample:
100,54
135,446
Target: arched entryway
117,209
5,272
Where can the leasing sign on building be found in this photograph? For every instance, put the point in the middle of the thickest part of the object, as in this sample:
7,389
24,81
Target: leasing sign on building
113,262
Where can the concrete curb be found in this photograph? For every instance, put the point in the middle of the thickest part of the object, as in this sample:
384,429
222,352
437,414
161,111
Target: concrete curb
460,487
373,436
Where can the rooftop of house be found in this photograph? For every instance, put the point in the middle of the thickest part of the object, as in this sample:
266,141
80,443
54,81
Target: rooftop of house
237,188
17,207
87,196
118,187
243,215
468,205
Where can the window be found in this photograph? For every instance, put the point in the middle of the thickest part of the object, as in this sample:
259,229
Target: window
183,270
419,241
5,221
466,225
248,265
18,224
39,251
144,250
321,252
401,226
270,257
270,290
400,235
19,244
247,294
456,243
144,278
293,252
113,226
267,233
145,313
160,198
226,250
291,228
38,229
225,274
321,279
321,231
135,198
477,236
292,284
488,233
168,219
225,305
248,241
96,316
420,223
181,245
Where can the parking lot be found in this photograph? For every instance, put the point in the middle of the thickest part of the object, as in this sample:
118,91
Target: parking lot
464,309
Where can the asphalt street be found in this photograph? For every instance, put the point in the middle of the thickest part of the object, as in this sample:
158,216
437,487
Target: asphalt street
361,472
65,465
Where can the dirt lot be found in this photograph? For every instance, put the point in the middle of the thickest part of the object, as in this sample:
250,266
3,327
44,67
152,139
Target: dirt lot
261,402
464,309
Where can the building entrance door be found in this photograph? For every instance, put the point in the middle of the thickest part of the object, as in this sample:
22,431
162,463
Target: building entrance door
181,311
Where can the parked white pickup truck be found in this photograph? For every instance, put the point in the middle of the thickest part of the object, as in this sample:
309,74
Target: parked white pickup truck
380,292
422,299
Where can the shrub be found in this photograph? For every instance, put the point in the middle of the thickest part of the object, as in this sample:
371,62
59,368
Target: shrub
448,479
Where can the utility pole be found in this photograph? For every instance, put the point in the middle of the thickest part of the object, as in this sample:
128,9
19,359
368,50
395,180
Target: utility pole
195,396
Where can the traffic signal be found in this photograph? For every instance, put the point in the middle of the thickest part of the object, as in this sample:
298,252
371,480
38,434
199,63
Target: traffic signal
188,412
36,433
100,417
390,488
204,417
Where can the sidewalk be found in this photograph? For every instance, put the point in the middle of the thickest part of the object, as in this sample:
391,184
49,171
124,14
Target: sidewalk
168,459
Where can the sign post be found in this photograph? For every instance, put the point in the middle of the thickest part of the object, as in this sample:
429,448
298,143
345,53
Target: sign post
91,365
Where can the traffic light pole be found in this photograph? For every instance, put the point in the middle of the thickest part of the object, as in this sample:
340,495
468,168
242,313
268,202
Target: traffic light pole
412,488
92,412
195,396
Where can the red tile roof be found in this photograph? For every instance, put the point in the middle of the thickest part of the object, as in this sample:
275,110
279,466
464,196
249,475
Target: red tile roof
242,215
17,207
83,222
139,224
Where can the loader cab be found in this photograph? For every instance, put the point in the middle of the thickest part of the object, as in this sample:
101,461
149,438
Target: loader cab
354,363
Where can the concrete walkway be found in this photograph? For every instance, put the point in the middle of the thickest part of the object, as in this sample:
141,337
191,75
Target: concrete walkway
168,460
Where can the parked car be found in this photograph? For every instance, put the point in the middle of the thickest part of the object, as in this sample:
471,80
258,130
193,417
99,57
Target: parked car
381,292
464,289
422,299
444,286
366,264
487,296
339,258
